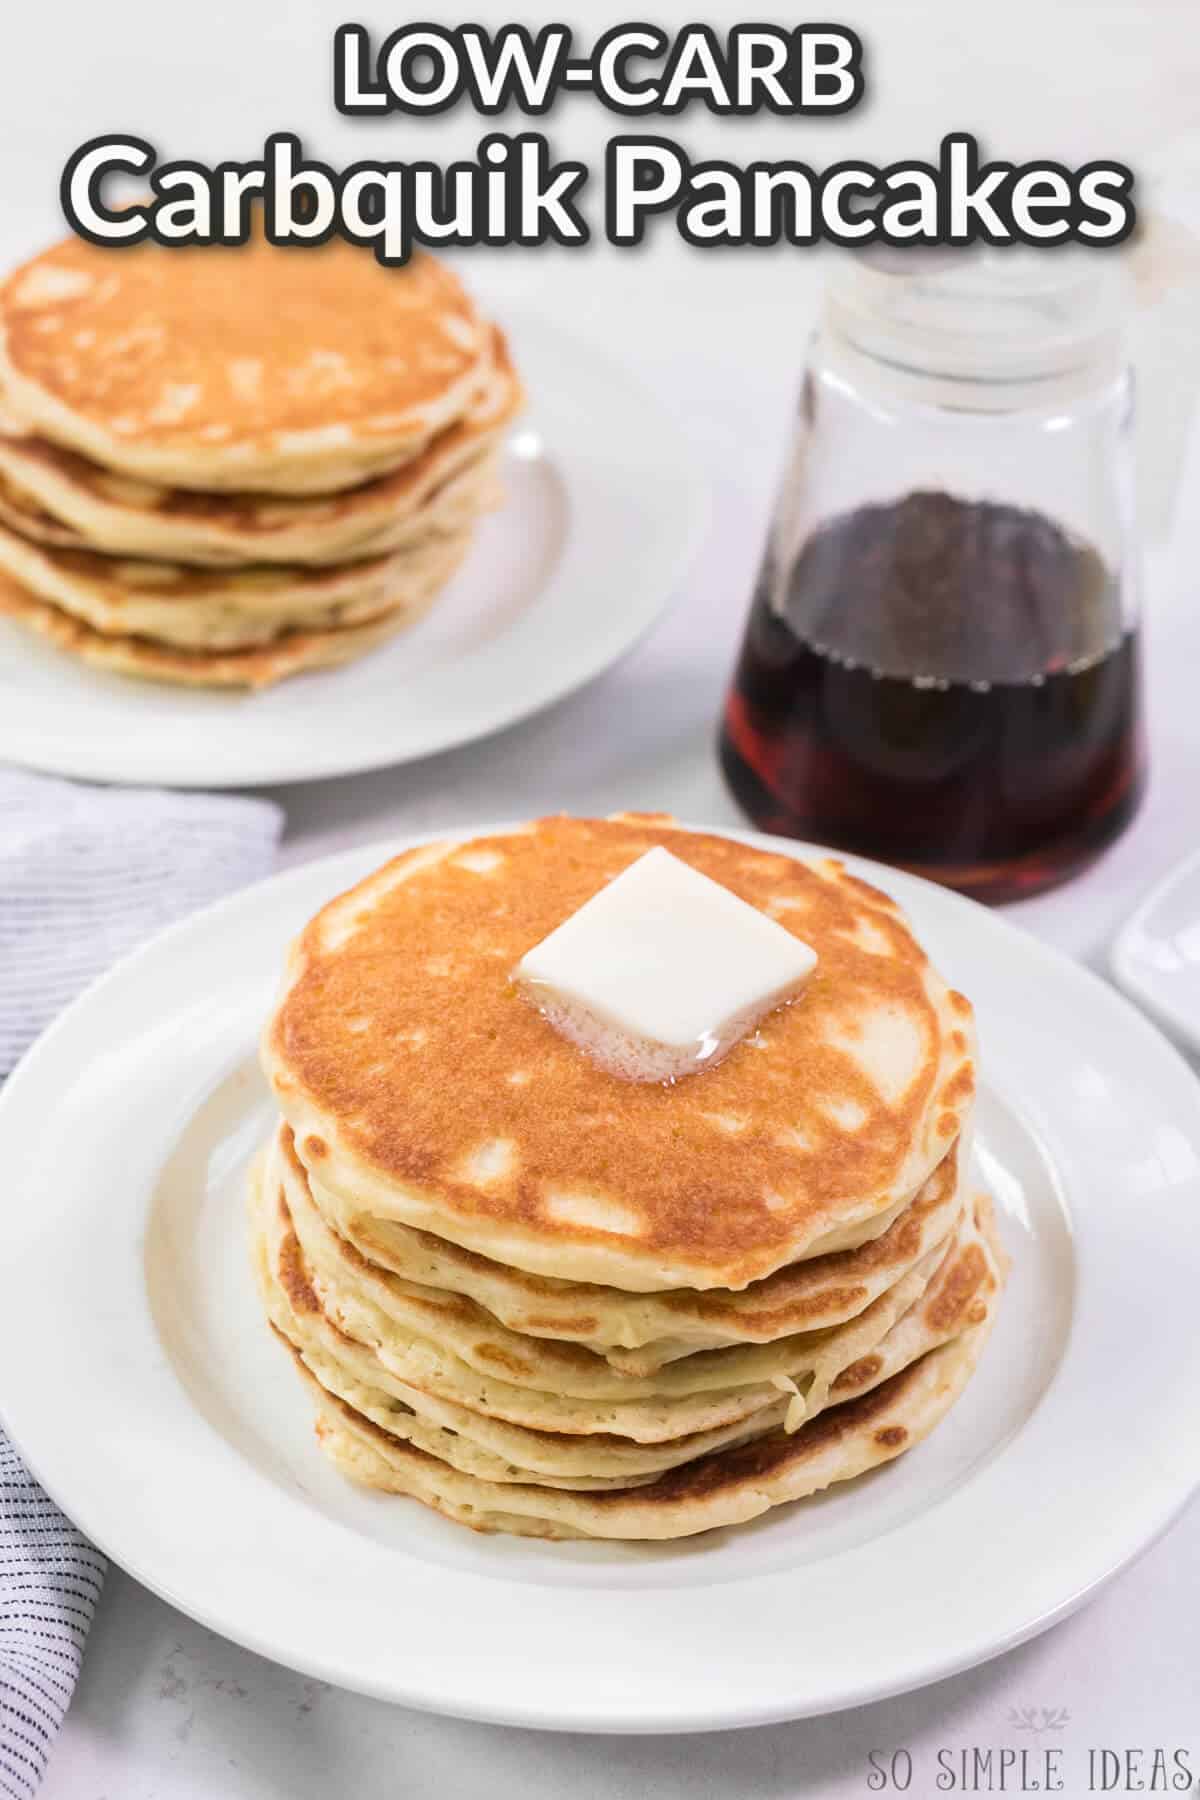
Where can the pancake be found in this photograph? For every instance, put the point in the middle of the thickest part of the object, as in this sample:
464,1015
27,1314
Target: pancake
248,368
220,609
726,1487
544,1299
458,501
954,1300
57,497
887,1406
640,1332
400,1421
293,653
341,1364
461,1351
492,1131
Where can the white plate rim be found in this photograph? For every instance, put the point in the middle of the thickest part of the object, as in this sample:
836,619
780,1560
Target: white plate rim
1123,958
650,584
1157,1505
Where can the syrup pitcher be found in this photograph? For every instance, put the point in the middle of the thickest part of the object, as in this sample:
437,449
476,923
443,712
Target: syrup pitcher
941,663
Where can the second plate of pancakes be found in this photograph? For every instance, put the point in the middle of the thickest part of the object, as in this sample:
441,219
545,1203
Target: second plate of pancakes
164,1415
530,611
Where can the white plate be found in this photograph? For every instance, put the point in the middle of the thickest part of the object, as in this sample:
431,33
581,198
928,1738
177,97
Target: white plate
1156,956
604,506
140,1381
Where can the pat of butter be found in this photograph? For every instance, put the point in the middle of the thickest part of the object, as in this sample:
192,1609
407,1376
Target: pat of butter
663,971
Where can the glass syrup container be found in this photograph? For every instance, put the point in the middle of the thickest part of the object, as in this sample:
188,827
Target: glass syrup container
941,665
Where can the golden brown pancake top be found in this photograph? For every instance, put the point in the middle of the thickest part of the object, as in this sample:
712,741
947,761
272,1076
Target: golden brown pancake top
403,1030
212,348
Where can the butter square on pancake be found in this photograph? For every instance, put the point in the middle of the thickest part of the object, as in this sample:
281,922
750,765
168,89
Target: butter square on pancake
663,970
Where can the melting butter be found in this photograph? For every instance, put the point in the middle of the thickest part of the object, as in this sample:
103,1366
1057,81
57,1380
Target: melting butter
663,971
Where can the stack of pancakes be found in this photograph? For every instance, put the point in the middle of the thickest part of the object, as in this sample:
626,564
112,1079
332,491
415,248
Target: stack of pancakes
546,1300
220,467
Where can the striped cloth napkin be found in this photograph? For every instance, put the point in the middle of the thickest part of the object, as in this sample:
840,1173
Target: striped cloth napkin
85,875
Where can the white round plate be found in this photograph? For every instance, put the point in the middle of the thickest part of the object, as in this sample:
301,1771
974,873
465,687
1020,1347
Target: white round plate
540,607
140,1381
1156,956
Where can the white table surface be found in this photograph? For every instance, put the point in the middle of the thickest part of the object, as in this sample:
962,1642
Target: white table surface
167,1711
